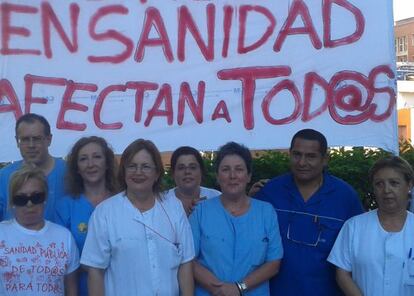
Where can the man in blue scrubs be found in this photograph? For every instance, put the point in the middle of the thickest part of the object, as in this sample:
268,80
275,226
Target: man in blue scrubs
312,206
33,138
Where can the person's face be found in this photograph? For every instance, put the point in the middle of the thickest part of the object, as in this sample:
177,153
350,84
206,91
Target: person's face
306,160
391,190
91,163
187,173
32,142
232,176
141,173
29,215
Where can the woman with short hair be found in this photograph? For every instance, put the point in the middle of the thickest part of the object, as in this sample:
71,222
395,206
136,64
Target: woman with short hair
37,257
138,242
374,252
237,241
188,171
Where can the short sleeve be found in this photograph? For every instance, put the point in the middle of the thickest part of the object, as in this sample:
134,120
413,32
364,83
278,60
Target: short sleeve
97,249
74,255
185,235
275,249
341,253
195,227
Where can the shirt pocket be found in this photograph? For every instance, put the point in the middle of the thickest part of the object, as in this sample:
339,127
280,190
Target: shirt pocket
408,278
329,230
214,245
171,254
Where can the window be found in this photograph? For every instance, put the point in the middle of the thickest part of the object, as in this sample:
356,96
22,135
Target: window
402,44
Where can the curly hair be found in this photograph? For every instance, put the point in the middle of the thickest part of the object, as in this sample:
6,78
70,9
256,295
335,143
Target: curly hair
74,181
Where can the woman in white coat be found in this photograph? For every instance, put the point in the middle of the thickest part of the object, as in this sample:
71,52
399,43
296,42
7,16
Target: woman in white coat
374,251
138,242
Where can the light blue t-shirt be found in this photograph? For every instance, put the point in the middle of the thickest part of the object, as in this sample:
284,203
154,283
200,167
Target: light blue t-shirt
74,213
55,182
232,247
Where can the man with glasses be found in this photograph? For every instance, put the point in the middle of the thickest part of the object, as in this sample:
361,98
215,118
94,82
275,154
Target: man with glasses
33,138
312,206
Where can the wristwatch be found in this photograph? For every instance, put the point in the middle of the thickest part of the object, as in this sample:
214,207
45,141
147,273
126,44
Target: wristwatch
242,287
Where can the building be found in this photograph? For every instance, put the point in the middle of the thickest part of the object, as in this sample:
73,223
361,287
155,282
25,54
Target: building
404,40
405,107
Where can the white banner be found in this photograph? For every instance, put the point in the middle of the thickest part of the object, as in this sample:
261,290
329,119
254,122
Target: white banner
199,73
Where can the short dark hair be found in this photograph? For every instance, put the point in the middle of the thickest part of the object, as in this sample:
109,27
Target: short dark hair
394,162
187,150
74,181
233,148
31,118
312,135
130,152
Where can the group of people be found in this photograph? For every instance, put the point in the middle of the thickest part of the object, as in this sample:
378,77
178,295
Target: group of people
91,226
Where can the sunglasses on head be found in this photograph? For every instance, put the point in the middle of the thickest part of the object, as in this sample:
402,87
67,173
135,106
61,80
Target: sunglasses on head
36,198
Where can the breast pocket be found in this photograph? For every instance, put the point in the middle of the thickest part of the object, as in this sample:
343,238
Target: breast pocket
171,254
214,245
408,279
329,230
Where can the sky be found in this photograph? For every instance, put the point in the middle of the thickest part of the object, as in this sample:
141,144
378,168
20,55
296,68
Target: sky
403,9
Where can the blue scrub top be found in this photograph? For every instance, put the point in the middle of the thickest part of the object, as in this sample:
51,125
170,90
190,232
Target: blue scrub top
74,213
232,247
55,183
308,231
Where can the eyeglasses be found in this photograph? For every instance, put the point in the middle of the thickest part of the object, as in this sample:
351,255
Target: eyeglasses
36,140
307,226
20,200
144,168
314,244
312,225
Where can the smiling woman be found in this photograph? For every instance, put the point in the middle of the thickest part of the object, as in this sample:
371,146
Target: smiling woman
237,241
188,171
138,242
90,179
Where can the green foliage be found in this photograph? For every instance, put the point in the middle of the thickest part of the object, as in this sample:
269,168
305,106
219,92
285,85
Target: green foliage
350,164
269,164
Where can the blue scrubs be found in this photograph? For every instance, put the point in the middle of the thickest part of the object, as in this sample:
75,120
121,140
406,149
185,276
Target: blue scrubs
308,231
55,183
74,213
232,247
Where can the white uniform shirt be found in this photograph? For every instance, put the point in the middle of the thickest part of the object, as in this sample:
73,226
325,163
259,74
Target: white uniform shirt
381,262
140,252
35,262
204,192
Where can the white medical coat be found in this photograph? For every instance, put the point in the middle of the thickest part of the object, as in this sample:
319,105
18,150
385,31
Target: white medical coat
381,262
140,252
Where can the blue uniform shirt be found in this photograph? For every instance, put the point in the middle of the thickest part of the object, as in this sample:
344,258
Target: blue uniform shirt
55,182
308,230
232,247
74,213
